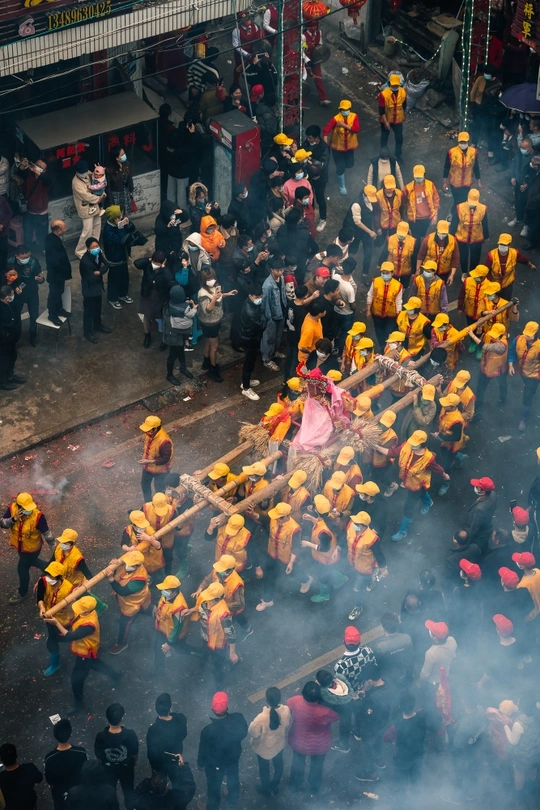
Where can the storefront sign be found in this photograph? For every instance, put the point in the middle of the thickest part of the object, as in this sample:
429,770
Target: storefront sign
20,19
526,25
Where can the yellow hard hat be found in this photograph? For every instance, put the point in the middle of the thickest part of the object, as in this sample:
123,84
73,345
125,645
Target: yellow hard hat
497,331
402,228
255,469
345,104
443,226
301,154
530,329
441,319
418,437
334,375
395,337
450,401
358,328
394,79
283,140
418,170
505,239
412,303
480,271
365,343
362,406
389,181
492,288
430,265
462,378
388,267
473,196
463,137
371,193
275,409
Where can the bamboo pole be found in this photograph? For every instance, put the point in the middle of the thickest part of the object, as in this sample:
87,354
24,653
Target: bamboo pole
404,402
82,589
229,458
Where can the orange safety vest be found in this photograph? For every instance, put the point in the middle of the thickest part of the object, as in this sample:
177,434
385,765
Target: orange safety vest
447,420
461,166
165,613
502,317
280,539
277,426
186,528
251,487
87,647
413,331
359,549
390,208
528,357
384,297
157,522
505,276
493,365
469,229
353,471
71,560
153,557
231,585
296,498
234,545
429,296
217,640
475,297
394,105
400,253
352,358
53,596
24,535
431,195
413,470
441,254
467,400
386,439
399,388
453,335
341,139
323,557
152,447
132,604
339,499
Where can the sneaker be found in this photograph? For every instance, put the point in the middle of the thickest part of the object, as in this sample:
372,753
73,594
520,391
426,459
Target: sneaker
279,355
514,222
321,225
305,586
391,489
271,365
188,347
117,649
355,612
16,598
263,605
126,299
367,777
524,231
325,102
248,633
341,747
357,736
17,379
55,319
250,394
115,304
252,384
522,426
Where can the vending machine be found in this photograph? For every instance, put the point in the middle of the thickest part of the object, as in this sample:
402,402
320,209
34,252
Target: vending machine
237,152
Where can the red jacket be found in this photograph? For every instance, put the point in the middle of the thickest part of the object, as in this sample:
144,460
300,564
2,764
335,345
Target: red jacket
310,733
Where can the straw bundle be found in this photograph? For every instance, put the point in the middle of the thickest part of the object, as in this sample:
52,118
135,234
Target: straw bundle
314,465
257,435
362,435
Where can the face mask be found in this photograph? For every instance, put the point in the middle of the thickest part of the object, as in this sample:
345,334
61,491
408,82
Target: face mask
356,338
17,161
123,158
491,297
463,146
389,193
462,575
211,282
253,478
257,301
487,77
23,261
210,231
363,352
305,202
268,234
401,238
411,315
166,594
50,581
320,355
418,179
443,328
193,248
524,151
249,249
393,345
95,251
427,275
358,527
386,276
345,113
472,206
27,511
479,280
202,203
442,236
155,267
10,300
503,249
244,195
130,568
478,491
414,447
65,546
298,175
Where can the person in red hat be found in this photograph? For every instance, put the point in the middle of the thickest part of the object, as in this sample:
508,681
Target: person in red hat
526,562
463,614
220,749
479,516
501,665
317,282
513,602
521,530
441,653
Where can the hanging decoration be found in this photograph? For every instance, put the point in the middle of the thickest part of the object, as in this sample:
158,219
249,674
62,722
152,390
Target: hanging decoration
314,10
353,8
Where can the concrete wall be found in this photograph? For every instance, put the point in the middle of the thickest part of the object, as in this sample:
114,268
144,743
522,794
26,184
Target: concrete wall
147,197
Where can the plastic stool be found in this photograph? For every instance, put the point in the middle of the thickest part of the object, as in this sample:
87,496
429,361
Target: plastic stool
16,232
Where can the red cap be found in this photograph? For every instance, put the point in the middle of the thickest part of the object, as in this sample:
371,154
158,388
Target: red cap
322,271
351,635
220,702
483,483
520,515
508,577
290,277
471,569
504,626
525,558
439,629
256,91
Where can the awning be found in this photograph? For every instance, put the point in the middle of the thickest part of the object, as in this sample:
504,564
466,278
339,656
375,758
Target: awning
140,23
77,123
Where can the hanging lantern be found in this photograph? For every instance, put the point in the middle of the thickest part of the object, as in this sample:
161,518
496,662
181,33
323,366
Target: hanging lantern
353,8
314,10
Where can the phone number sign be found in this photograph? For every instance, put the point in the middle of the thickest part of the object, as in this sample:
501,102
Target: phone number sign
20,19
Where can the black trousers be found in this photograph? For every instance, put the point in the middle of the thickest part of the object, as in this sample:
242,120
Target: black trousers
383,327
214,780
53,645
8,358
364,239
272,570
264,770
316,764
37,224
397,129
520,200
530,384
117,281
469,255
532,220
175,353
3,252
319,190
28,560
146,484
419,230
251,350
54,300
460,193
91,314
482,386
125,774
125,623
81,670
291,360
30,297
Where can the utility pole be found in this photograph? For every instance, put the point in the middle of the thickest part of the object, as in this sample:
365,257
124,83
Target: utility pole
290,63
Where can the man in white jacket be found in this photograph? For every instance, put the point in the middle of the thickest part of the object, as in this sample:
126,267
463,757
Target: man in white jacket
87,205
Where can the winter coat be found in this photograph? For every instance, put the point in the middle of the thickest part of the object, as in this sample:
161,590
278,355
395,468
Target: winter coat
9,325
163,279
297,241
220,742
176,329
6,214
209,316
4,176
267,742
241,211
176,798
252,322
118,179
526,754
182,151
210,105
114,246
310,734
85,202
168,238
196,258
27,273
268,124
56,259
211,242
92,285
479,520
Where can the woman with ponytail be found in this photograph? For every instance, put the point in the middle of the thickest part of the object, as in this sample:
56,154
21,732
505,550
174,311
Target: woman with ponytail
268,737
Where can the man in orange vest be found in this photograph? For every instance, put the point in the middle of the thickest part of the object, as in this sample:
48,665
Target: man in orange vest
392,101
28,528
159,512
171,621
494,301
461,168
494,363
385,302
139,535
296,494
68,553
442,331
157,457
415,326
84,641
472,296
399,249
52,588
421,203
365,554
440,247
502,262
470,226
451,434
388,208
341,134
524,357
416,464
224,571
130,585
396,351
381,464
324,550
430,289
217,631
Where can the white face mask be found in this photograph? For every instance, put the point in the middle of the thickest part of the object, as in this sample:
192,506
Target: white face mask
364,352
65,546
427,274
386,276
130,568
253,477
503,249
155,266
27,511
211,282
441,235
359,527
320,355
50,580
478,491
393,345
257,301
418,179
166,594
463,146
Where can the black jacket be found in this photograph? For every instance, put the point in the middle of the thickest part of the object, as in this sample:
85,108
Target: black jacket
176,798
321,153
265,73
27,273
182,151
470,552
92,797
163,279
252,322
297,241
479,520
165,735
9,325
220,743
92,285
240,209
268,124
168,239
532,179
56,259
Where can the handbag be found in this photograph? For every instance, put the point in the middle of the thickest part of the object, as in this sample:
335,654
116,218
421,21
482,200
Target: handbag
133,206
134,238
